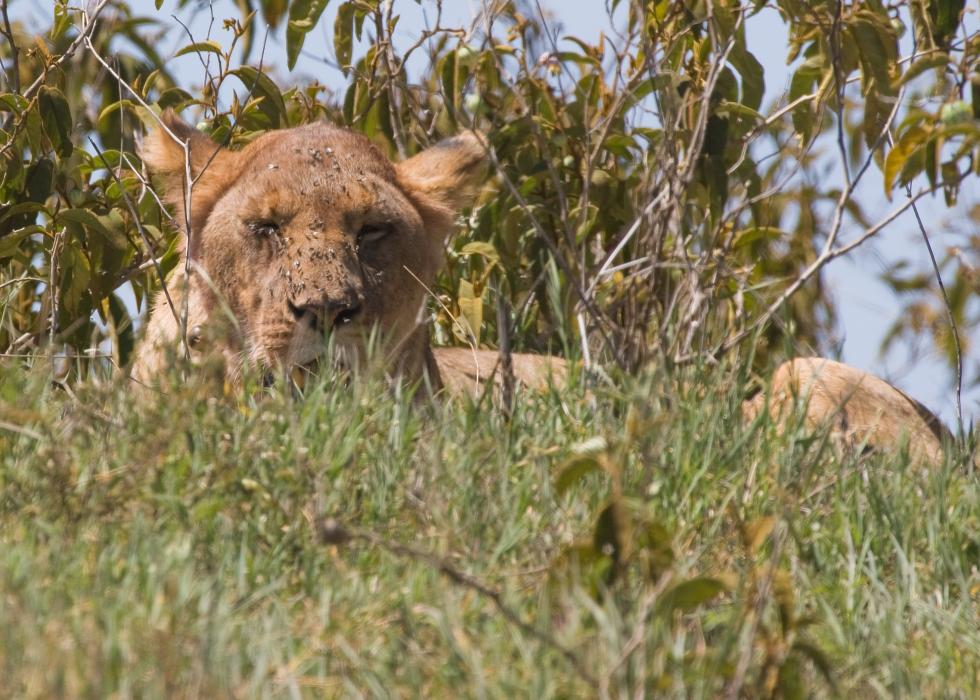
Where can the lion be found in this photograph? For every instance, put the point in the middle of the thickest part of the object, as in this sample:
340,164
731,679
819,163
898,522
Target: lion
307,232
312,232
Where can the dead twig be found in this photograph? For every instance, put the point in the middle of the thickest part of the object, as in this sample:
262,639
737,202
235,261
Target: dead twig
331,531
139,227
8,34
950,317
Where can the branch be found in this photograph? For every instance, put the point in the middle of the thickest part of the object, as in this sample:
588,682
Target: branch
14,50
816,266
331,531
139,225
84,33
949,315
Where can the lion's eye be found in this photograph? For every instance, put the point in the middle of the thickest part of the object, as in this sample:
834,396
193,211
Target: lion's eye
370,233
263,228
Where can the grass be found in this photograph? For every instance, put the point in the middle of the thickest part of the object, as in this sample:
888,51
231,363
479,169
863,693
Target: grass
171,548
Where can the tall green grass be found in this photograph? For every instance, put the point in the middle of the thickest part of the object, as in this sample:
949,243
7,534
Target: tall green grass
648,540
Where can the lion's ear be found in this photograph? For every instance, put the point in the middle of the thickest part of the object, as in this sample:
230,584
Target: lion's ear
445,177
212,167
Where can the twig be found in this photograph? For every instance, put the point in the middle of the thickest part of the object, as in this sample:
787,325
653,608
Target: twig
949,314
331,531
471,340
58,355
821,261
188,179
840,85
204,64
4,425
83,35
139,226
14,50
20,280
504,350
26,338
829,251
53,283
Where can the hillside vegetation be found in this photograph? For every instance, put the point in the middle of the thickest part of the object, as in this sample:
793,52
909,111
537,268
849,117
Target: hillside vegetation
345,543
658,209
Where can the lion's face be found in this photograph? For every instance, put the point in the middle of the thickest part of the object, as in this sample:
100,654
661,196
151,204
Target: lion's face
315,236
312,232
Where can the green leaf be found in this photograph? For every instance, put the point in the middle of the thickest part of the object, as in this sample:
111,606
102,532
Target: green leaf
174,97
40,176
612,533
752,72
56,119
945,16
471,308
303,17
209,46
655,540
449,75
975,95
10,102
574,471
739,109
116,106
897,157
377,120
748,236
804,80
15,212
92,223
75,276
343,35
481,248
10,243
272,11
875,43
122,326
687,595
273,106
933,60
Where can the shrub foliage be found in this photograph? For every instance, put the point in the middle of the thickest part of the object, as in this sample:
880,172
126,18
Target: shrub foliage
646,203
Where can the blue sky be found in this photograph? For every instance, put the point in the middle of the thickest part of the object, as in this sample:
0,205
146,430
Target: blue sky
867,308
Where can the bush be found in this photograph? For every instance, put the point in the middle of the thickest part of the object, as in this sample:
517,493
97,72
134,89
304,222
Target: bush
645,205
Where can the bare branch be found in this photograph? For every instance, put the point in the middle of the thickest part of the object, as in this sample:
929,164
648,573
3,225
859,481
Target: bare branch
333,532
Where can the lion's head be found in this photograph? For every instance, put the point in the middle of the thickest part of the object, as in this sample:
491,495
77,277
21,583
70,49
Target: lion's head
308,232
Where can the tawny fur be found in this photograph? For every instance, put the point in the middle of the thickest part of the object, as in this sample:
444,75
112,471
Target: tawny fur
859,408
320,185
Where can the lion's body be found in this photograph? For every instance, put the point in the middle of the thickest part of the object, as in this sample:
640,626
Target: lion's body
312,231
859,408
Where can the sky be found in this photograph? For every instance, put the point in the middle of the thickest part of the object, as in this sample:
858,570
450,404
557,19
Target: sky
866,307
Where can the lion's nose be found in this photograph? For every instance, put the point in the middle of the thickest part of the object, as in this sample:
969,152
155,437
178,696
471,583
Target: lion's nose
328,313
